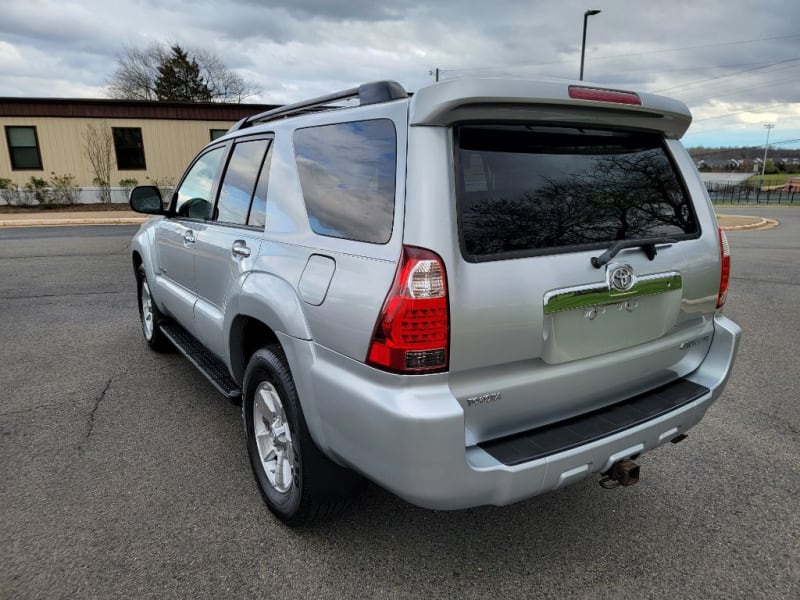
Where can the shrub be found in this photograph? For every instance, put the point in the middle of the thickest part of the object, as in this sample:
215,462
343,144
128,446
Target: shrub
104,190
63,189
36,191
9,192
165,184
127,185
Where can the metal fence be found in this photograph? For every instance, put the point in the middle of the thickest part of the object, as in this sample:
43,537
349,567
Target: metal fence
722,193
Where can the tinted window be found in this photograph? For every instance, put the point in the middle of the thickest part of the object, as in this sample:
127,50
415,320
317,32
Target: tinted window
239,183
347,173
526,189
23,147
129,148
258,208
194,194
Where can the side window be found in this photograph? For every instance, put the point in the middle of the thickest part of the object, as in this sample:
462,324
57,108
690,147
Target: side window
194,195
258,209
23,147
129,148
347,172
239,183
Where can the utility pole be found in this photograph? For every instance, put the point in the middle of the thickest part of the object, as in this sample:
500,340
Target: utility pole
768,127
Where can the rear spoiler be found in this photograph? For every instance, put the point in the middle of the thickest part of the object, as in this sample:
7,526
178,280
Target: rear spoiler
508,100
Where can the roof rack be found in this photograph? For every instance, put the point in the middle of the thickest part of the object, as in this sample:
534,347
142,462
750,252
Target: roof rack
375,92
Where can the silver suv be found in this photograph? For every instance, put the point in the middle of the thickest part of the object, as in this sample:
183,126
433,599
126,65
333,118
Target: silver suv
472,295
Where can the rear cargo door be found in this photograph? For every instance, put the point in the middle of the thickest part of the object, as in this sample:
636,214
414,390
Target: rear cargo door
584,273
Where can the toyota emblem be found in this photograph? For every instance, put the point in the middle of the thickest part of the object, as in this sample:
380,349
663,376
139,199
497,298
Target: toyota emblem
621,278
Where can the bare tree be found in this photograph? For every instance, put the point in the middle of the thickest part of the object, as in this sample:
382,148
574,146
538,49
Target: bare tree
224,84
98,145
136,72
138,69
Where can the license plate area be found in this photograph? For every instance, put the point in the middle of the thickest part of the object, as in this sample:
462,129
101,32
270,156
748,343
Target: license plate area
585,321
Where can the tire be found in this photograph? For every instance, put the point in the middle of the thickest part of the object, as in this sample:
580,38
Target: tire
299,484
149,315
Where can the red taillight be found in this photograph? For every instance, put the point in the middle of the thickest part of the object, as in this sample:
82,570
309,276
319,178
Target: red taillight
725,255
412,332
577,92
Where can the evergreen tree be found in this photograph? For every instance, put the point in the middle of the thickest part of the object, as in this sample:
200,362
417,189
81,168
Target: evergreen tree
179,79
138,69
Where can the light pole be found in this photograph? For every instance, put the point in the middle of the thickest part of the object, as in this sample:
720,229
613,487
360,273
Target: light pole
769,127
586,16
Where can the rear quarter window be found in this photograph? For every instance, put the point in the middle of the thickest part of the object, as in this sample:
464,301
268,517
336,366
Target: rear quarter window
528,190
347,173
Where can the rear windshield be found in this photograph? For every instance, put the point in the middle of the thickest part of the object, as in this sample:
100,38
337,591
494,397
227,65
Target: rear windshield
526,190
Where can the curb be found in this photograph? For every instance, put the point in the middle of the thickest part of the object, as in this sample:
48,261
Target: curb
759,223
60,222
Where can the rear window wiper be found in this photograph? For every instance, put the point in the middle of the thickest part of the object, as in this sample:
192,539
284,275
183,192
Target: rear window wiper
648,245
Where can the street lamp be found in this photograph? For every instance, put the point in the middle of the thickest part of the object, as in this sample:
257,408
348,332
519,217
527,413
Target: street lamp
586,16
769,127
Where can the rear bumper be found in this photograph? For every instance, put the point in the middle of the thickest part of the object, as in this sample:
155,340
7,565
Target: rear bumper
407,434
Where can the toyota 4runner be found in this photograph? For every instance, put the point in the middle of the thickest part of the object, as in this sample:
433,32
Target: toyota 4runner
472,295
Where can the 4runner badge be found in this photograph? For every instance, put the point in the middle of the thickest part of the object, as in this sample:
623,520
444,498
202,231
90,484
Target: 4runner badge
484,399
621,278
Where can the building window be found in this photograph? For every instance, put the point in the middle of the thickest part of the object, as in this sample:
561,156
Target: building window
23,148
217,133
129,148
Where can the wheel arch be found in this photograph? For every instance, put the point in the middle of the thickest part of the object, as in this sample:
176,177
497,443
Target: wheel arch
247,335
143,255
136,258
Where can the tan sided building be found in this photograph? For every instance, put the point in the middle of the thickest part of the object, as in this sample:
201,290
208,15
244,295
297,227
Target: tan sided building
152,141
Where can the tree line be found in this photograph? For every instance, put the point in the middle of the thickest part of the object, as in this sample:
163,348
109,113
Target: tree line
169,72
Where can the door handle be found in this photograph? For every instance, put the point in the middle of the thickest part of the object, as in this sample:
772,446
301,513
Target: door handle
240,249
188,236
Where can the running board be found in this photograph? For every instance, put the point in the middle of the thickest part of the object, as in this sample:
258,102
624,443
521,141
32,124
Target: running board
208,364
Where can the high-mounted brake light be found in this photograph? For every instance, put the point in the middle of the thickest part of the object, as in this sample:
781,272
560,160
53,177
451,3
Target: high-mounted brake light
725,275
412,331
578,92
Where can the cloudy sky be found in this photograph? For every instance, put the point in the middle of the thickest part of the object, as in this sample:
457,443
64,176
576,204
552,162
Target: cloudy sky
736,63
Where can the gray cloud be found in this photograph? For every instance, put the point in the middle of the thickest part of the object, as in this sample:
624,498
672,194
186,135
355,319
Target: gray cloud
299,48
358,10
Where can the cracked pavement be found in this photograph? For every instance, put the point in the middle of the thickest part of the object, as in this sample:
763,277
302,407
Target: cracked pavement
102,396
123,472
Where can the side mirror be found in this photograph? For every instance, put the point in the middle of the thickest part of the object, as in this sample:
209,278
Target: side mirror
146,199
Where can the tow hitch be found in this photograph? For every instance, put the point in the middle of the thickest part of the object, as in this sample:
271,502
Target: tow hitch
624,472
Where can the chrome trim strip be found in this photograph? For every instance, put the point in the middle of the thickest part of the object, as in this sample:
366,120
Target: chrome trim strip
598,294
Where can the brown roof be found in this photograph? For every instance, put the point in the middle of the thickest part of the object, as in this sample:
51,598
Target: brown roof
101,108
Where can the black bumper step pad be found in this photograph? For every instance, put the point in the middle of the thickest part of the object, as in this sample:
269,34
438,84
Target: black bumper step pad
583,429
213,368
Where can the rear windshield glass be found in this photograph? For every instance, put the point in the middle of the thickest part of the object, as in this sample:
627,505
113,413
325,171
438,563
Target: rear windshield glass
526,190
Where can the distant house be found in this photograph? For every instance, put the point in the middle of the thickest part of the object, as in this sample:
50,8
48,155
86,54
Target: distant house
719,164
152,141
788,162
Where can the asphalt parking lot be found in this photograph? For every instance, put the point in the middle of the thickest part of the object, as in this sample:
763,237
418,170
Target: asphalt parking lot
123,473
